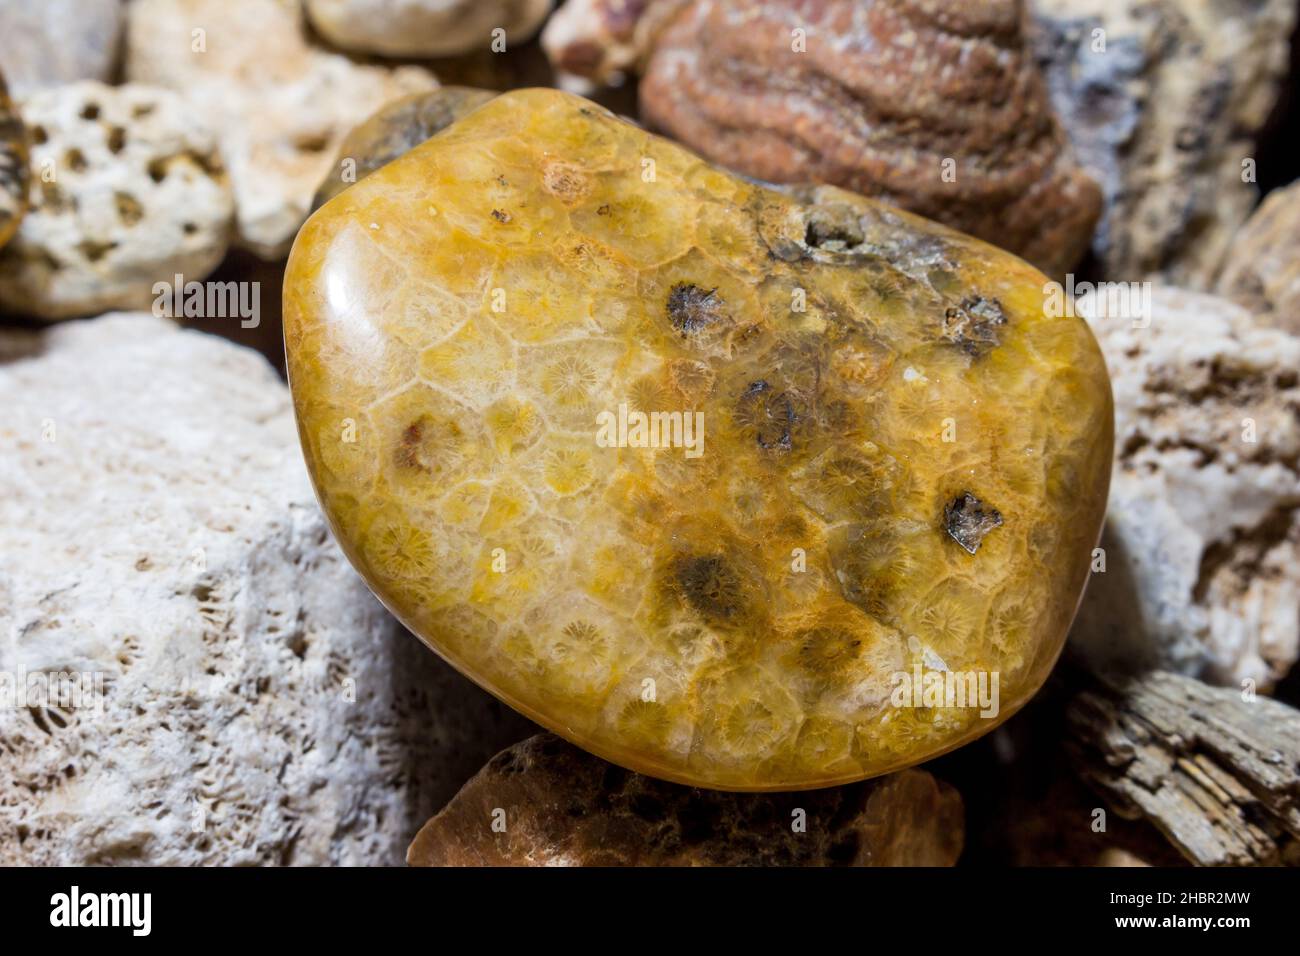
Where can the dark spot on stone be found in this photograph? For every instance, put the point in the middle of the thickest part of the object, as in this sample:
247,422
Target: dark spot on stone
90,111
500,215
771,414
603,210
407,452
973,324
709,585
967,520
833,228
691,308
116,139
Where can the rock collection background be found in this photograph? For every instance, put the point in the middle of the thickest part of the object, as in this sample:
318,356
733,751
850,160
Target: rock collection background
228,692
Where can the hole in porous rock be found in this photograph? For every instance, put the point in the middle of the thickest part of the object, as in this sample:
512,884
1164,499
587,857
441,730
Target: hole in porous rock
967,520
116,139
158,170
90,111
129,209
75,160
691,308
94,249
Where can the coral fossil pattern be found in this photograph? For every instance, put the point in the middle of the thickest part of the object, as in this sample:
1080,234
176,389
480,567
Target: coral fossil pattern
456,322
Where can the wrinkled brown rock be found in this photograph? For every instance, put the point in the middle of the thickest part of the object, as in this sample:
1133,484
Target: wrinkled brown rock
1218,773
563,807
939,109
14,172
1262,271
1165,119
393,130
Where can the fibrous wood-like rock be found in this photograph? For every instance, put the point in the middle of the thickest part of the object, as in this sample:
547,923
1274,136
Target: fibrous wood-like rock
937,108
543,802
393,130
14,170
1217,772
1262,270
897,460
231,694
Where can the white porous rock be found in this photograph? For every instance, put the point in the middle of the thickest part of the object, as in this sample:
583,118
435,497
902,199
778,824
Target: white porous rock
1202,539
127,190
1163,101
158,529
281,104
418,28
52,42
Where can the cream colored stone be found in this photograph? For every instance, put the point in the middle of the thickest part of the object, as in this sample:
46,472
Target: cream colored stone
127,190
282,105
52,42
1203,530
1262,270
425,27
259,707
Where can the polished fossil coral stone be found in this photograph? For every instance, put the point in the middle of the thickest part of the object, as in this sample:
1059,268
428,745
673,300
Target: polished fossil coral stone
904,465
392,130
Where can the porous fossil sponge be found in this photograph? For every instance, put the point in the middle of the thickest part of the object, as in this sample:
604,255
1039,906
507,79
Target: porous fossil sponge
935,107
461,327
14,172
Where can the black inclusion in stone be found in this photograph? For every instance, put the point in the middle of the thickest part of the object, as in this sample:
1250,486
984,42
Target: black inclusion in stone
709,585
691,308
974,325
967,520
771,414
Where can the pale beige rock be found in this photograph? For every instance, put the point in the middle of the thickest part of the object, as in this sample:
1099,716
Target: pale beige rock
127,190
1202,541
1164,117
1262,270
157,528
282,105
419,28
52,42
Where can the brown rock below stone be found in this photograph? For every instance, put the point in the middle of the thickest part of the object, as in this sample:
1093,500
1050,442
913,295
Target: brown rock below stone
556,805
1262,269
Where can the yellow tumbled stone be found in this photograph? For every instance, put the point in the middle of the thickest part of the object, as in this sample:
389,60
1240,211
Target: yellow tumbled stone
902,472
